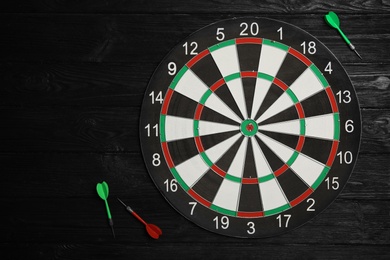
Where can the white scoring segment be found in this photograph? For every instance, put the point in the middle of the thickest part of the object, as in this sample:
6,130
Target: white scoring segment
192,169
237,90
226,59
262,166
287,127
261,89
208,128
282,151
282,103
191,86
320,126
307,168
237,166
271,195
177,128
271,58
306,85
216,152
228,195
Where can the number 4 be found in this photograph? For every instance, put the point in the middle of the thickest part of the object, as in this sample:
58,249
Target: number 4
328,67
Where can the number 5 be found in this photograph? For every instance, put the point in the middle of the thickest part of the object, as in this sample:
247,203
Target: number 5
220,34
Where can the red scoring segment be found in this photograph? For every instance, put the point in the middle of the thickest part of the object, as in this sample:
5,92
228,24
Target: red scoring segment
197,58
300,198
299,56
332,99
333,152
249,40
167,100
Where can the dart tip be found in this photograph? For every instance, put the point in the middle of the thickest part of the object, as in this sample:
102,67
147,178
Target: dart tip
111,223
113,233
358,54
121,202
354,49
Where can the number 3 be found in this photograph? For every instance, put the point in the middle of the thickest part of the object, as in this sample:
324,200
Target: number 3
251,229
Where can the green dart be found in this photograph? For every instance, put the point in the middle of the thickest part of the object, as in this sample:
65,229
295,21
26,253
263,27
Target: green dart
102,190
333,20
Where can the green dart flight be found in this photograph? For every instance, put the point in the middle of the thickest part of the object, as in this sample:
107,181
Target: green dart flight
333,21
102,190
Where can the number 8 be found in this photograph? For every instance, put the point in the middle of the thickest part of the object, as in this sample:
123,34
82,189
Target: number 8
156,160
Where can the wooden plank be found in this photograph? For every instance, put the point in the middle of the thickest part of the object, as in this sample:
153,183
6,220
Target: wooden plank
106,129
74,84
200,6
126,173
134,38
123,84
157,249
84,220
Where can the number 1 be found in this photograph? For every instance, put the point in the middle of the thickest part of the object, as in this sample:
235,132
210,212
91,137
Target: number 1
280,31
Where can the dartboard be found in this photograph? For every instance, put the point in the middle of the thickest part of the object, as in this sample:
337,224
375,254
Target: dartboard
250,127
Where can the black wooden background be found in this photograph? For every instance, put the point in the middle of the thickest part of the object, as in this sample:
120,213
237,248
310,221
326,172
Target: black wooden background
72,77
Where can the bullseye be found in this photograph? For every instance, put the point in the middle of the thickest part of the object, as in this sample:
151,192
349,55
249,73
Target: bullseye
249,127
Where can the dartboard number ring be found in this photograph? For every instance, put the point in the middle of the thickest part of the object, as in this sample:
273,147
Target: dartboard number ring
250,127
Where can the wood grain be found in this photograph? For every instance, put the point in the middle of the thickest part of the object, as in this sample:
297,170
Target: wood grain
143,37
72,78
200,6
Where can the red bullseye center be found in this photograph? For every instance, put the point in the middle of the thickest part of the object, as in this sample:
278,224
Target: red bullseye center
250,127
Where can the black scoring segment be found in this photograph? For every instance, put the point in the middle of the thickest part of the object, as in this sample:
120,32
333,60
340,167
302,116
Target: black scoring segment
291,184
311,148
181,106
207,70
249,167
290,70
182,150
318,104
208,185
250,199
249,55
286,139
249,85
209,141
